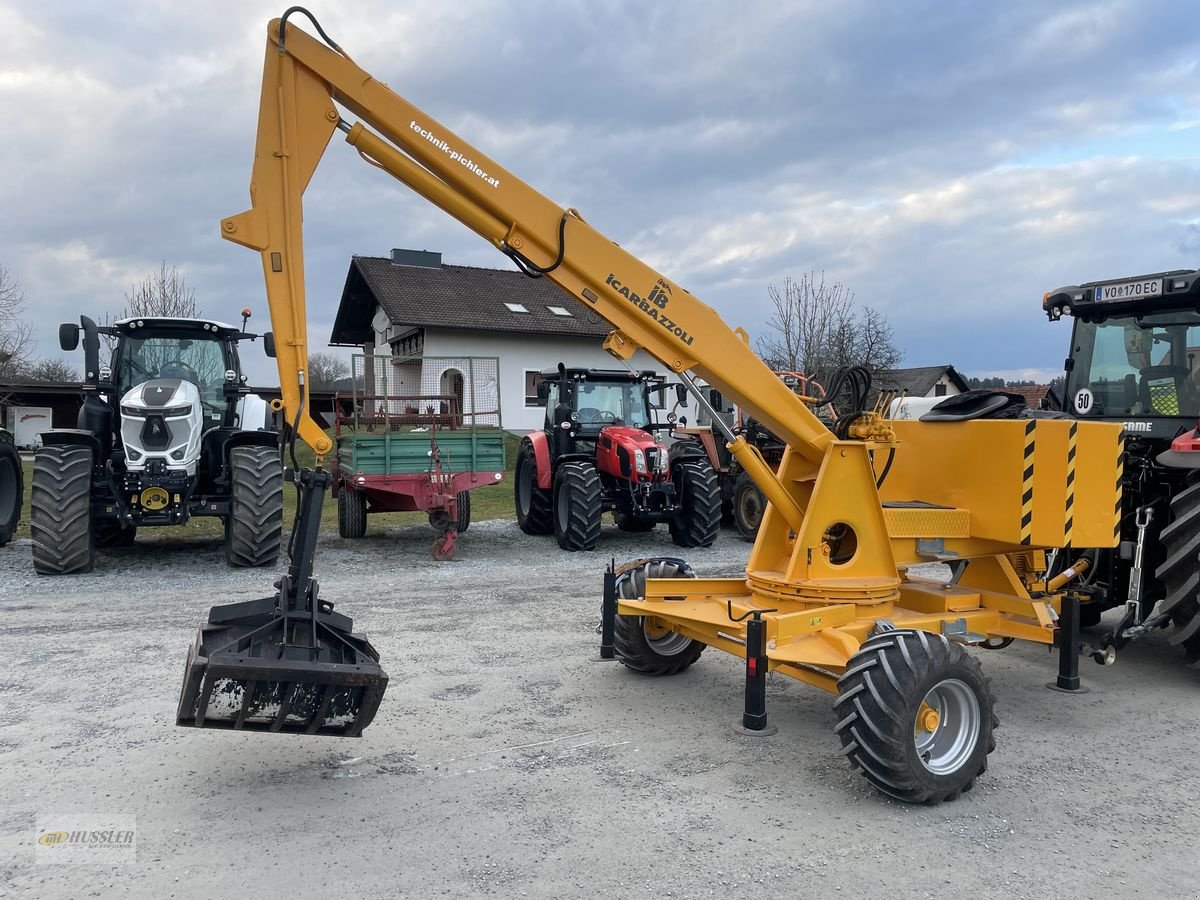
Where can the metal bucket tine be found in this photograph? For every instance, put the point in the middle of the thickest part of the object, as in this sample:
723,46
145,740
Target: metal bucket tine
285,707
318,718
206,689
247,699
368,705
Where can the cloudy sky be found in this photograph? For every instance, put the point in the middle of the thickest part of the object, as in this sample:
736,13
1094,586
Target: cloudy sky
948,160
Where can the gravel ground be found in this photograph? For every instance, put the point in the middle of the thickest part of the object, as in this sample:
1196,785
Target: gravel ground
504,762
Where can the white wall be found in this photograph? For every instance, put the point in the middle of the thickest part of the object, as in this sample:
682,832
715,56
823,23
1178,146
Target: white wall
27,422
945,380
517,353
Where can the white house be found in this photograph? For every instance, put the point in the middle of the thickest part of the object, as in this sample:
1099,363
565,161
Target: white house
414,305
924,381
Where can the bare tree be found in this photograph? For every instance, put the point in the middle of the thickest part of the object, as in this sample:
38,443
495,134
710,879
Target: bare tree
52,371
162,293
806,315
865,339
815,327
16,334
325,370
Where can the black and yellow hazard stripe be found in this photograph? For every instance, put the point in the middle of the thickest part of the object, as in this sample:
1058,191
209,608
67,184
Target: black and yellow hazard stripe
1120,488
1072,432
1027,484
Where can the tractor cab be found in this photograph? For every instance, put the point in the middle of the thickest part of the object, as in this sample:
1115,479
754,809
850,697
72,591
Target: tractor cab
1135,352
200,353
609,412
588,400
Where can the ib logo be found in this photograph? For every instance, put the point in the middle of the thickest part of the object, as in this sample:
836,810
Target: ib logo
661,294
52,838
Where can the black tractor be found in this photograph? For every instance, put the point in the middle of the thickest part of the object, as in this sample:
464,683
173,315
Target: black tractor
742,502
167,432
602,449
1135,360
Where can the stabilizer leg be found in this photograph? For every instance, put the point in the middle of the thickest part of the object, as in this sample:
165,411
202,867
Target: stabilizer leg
754,716
608,616
1068,648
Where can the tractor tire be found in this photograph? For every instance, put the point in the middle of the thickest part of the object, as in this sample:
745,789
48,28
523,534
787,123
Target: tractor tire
108,533
352,513
749,504
640,643
633,524
1180,572
254,526
698,521
916,716
577,508
12,488
464,511
60,511
535,514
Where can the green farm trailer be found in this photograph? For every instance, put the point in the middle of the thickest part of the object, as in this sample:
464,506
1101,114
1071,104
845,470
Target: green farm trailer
417,434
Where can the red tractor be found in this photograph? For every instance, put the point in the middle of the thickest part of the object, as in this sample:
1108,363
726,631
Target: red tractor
601,449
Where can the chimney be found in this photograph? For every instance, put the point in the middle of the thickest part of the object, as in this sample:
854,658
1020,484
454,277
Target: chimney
424,259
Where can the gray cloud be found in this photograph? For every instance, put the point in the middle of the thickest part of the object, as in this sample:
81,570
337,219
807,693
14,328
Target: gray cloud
948,161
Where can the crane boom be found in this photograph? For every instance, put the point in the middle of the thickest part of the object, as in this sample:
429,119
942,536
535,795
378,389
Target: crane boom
302,80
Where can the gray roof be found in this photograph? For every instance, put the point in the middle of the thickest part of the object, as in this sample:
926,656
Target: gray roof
459,297
917,382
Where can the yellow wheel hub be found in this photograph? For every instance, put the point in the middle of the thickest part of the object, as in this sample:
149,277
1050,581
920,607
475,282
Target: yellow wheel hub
655,629
928,718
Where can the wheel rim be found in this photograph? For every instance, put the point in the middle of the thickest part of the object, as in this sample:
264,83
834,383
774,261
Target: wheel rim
750,508
947,727
663,641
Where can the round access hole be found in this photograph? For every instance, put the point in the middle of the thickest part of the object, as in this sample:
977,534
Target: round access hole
842,543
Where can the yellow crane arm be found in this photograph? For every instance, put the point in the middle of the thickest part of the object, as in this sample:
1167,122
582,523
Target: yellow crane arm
302,80
960,490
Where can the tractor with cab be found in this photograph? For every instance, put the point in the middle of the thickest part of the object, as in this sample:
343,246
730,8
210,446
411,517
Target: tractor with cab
167,432
601,449
1134,360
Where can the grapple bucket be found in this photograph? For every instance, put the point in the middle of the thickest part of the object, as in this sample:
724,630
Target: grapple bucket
252,668
287,663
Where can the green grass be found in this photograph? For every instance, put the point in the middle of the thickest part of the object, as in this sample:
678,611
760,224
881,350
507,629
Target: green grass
23,525
492,502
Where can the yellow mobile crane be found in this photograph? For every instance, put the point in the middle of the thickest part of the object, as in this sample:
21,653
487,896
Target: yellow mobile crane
827,596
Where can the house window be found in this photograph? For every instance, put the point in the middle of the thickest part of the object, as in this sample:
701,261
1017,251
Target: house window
516,307
560,311
532,377
939,390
